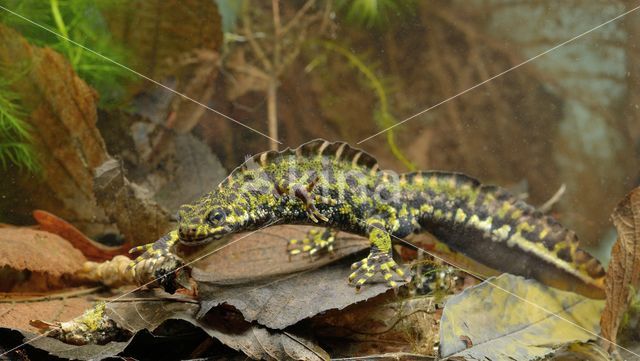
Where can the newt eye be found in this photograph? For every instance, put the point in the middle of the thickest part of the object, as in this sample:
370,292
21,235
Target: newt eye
216,217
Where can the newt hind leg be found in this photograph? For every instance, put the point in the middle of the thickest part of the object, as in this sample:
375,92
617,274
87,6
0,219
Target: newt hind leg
317,239
379,261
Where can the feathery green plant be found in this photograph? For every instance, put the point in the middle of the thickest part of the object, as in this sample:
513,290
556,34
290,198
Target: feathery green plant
15,139
382,115
82,22
374,13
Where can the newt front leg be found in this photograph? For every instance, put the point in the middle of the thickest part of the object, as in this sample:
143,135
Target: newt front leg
158,263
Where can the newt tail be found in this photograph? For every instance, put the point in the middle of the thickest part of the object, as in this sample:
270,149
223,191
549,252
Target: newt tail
333,185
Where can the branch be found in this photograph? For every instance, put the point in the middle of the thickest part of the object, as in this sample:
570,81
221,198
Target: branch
257,50
296,18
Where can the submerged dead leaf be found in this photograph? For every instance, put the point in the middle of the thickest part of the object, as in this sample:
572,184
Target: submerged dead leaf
500,324
17,310
623,274
286,300
256,276
62,116
263,254
36,260
386,325
228,327
139,218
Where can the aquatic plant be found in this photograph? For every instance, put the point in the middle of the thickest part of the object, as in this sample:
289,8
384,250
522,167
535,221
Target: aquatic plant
374,13
82,22
382,115
15,139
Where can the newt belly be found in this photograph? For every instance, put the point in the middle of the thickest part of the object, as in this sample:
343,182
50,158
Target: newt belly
342,188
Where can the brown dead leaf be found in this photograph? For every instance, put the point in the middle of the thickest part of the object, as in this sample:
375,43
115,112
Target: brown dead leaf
257,278
432,246
264,254
62,117
382,325
139,218
227,326
17,313
36,260
623,274
91,249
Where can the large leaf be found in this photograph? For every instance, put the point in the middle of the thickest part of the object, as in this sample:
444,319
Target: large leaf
623,274
62,116
511,318
255,341
35,260
263,255
258,279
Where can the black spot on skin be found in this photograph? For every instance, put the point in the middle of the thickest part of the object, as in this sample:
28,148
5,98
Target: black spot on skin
565,254
351,180
385,194
480,200
548,243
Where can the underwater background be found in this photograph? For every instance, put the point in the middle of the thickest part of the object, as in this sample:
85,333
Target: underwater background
114,113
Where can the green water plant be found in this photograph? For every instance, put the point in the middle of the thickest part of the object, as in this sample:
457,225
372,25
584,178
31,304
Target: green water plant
374,13
82,22
382,114
15,136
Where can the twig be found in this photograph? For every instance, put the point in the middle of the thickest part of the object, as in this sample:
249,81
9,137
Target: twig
272,89
546,207
147,299
49,297
326,17
296,18
257,50
398,356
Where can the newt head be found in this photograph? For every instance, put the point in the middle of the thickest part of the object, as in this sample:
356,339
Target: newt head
210,218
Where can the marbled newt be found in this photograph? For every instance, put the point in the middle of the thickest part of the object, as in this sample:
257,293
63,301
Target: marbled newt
342,188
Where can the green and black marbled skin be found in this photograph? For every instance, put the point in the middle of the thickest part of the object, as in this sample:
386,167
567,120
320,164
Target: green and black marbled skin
339,187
